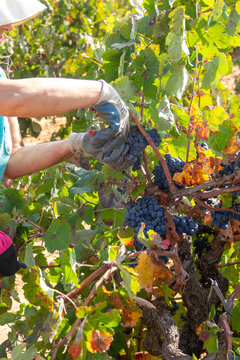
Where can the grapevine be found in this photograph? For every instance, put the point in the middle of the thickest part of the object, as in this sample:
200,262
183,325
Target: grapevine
144,262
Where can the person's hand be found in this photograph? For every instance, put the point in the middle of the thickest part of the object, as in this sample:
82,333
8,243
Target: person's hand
108,145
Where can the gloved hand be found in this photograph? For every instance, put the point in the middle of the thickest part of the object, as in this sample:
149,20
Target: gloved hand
108,145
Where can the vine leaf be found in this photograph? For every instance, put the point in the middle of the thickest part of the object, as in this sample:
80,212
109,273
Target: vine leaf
130,281
199,170
99,341
177,81
162,114
29,259
236,317
57,236
129,314
126,236
233,146
176,37
149,269
75,350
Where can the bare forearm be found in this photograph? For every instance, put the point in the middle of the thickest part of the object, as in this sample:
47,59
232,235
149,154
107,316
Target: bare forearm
46,96
37,157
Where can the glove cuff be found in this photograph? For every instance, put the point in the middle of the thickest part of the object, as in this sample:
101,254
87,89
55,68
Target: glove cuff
75,141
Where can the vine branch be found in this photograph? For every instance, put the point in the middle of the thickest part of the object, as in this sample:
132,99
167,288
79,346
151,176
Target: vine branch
155,149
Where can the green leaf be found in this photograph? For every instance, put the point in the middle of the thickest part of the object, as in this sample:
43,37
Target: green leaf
68,266
236,317
176,38
8,318
211,344
29,258
17,353
162,114
109,319
177,147
217,9
57,236
177,81
219,141
125,88
233,22
85,236
212,313
214,69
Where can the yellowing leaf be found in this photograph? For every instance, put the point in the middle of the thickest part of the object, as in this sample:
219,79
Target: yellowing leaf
149,269
126,236
99,341
191,175
198,171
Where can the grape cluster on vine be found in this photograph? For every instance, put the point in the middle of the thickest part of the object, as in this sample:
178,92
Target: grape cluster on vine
174,165
184,225
220,219
146,210
137,143
201,243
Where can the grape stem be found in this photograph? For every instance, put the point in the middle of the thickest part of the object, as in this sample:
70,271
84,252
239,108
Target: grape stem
148,175
155,149
227,264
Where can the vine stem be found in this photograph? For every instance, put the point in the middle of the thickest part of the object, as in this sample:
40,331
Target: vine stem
32,223
72,294
216,192
234,295
155,149
210,183
190,105
224,322
77,322
228,264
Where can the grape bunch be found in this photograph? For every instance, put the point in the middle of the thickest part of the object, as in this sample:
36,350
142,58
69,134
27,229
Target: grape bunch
146,210
229,169
174,307
184,225
201,244
174,165
137,143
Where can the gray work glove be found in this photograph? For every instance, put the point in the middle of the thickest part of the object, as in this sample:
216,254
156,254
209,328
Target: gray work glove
108,145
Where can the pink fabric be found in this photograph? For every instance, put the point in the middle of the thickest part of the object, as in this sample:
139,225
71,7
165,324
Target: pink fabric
5,242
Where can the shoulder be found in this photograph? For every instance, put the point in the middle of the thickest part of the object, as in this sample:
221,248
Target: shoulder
2,74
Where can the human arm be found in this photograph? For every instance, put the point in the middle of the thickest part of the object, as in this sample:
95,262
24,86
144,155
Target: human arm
35,97
108,146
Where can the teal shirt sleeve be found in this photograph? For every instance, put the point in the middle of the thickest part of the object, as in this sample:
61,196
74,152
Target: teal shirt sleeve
5,138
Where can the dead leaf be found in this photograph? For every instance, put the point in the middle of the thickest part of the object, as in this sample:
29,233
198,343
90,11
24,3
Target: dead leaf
99,341
75,350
